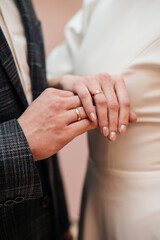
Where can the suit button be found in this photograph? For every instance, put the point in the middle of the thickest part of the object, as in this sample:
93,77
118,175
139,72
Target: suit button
8,203
1,205
45,201
19,199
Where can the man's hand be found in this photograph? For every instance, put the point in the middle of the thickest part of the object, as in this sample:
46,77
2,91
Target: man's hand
109,95
50,122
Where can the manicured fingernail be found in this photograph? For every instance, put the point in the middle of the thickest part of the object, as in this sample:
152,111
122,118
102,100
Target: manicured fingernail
112,136
105,131
93,117
123,128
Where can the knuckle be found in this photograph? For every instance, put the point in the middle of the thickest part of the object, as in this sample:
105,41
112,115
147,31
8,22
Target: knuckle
79,82
49,96
58,103
84,95
88,80
75,85
49,91
113,106
102,101
126,104
105,76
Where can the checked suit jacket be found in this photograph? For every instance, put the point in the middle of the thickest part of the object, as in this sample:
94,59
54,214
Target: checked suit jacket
32,203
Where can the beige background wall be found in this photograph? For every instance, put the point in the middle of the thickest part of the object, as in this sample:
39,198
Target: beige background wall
54,14
73,158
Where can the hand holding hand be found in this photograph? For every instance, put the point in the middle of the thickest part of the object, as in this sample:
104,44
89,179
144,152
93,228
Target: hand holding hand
50,122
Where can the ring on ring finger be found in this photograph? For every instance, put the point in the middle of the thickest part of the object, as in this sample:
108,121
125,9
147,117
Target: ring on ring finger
97,92
78,114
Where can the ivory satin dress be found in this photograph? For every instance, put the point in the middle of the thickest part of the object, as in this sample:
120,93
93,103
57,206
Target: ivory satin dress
121,199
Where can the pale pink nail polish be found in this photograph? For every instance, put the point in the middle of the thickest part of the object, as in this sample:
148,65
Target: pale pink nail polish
123,128
112,136
93,117
105,131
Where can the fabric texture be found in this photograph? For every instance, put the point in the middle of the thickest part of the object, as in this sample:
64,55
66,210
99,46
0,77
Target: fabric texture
32,202
12,27
121,197
16,161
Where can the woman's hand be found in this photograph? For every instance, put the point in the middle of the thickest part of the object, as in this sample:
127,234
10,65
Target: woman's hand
109,95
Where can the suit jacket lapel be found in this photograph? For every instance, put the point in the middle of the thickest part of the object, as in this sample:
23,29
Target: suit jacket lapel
7,61
36,59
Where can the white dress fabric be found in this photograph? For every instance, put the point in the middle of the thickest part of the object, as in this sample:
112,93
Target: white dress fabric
122,189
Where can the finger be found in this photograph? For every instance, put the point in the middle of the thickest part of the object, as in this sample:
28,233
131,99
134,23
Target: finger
132,117
113,108
72,115
101,104
80,127
124,105
72,102
101,110
62,93
87,102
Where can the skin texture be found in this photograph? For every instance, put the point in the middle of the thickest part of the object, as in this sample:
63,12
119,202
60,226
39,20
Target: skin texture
112,105
50,122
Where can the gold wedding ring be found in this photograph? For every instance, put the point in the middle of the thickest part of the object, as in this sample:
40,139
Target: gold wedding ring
97,92
78,114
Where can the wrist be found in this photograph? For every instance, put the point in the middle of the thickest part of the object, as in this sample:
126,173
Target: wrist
65,81
61,83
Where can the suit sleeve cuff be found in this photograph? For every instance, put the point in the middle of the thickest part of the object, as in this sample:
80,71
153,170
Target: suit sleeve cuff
18,173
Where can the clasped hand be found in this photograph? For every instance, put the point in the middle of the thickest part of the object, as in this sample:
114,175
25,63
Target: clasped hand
50,122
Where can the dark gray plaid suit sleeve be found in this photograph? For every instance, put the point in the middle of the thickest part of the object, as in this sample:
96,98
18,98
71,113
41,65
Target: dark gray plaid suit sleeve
39,217
18,173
